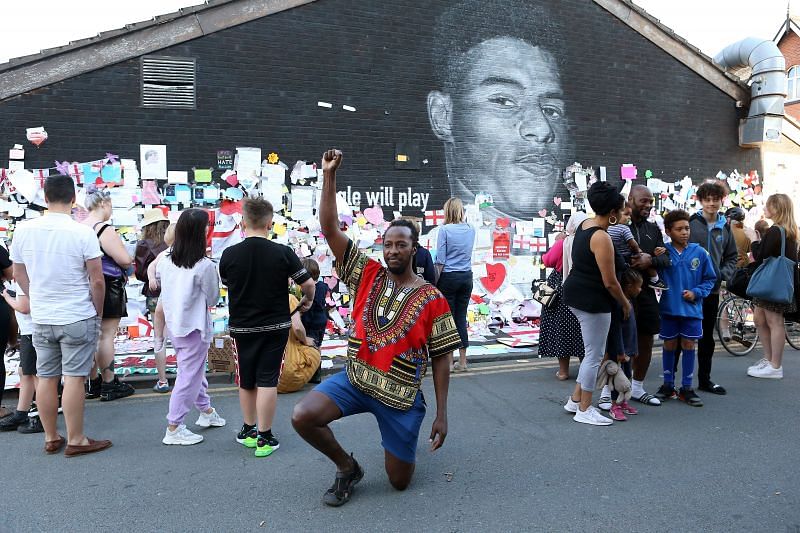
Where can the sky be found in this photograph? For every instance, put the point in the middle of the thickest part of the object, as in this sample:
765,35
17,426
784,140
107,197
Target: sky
31,26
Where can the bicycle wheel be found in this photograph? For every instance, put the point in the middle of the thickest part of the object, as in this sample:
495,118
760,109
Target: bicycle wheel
735,327
793,334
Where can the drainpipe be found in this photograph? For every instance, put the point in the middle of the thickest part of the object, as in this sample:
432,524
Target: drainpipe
767,87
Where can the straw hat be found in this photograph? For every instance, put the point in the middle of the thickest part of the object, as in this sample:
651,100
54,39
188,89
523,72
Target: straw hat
152,216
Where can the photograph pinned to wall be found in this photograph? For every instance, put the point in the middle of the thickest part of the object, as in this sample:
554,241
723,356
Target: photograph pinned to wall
154,161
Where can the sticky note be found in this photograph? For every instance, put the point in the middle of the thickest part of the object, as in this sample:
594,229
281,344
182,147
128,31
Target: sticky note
628,172
202,175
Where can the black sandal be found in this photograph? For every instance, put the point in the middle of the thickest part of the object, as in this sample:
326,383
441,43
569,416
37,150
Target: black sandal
343,486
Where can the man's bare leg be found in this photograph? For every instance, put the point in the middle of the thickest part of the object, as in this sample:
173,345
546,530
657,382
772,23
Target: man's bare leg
47,403
310,419
399,472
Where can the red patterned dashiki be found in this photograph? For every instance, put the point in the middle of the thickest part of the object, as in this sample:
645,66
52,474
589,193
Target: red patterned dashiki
394,330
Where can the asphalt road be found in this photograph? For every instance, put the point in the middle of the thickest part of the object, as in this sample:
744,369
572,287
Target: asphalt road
513,461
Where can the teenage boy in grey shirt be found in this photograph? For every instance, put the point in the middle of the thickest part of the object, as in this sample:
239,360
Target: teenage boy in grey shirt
57,264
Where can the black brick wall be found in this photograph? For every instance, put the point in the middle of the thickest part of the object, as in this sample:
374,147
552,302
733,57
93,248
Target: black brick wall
259,83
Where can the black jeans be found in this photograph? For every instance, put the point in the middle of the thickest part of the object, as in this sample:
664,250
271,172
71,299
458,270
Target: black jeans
456,287
706,345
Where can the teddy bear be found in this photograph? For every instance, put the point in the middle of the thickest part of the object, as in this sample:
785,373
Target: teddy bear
611,375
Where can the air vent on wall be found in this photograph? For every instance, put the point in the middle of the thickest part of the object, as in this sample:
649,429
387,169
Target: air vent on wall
168,82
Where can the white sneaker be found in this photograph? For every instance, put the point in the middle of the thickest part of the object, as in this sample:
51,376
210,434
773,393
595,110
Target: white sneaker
592,416
761,364
766,371
210,419
181,436
570,406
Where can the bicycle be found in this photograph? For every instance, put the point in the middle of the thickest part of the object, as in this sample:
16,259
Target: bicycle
736,328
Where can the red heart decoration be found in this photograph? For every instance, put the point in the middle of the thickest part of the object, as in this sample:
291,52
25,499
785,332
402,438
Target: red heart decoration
495,276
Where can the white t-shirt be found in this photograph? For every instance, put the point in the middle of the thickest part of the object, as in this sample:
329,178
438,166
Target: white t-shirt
24,320
54,249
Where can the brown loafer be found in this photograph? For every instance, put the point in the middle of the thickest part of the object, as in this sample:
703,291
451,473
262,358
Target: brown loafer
54,446
93,446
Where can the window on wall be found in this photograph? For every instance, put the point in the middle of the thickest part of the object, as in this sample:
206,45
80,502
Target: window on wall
793,83
168,82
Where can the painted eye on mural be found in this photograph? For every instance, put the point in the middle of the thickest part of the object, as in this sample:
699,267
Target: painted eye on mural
502,101
552,111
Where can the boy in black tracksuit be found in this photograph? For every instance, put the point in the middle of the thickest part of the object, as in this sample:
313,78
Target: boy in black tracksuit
709,230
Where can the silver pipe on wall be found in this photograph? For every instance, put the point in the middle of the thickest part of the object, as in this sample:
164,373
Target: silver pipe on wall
767,87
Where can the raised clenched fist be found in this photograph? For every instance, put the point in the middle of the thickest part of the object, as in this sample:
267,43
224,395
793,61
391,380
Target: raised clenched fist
331,160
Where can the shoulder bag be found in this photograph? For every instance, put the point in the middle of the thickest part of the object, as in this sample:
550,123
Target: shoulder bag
773,281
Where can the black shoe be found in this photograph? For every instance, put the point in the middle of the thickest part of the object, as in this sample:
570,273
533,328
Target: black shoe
114,390
658,284
317,377
247,436
690,397
666,392
343,486
93,387
32,425
713,388
271,440
12,422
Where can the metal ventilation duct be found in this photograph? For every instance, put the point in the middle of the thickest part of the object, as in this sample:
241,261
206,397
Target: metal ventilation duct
767,87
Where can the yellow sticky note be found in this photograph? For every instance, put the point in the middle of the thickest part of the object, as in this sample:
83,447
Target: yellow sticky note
279,229
202,175
361,221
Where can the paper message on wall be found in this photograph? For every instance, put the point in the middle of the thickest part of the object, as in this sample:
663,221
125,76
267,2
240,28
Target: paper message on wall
628,172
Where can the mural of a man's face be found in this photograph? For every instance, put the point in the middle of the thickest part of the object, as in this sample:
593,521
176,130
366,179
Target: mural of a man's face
505,126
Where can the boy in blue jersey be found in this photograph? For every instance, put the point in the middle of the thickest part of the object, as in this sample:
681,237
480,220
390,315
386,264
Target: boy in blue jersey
690,278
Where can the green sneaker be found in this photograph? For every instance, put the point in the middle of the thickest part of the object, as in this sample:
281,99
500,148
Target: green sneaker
247,437
263,448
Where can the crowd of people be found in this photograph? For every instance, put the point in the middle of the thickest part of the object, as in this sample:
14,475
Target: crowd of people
617,284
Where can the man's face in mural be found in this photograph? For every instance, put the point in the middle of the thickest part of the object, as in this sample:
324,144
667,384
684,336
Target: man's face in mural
504,127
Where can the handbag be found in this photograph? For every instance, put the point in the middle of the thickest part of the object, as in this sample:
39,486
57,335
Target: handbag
545,295
740,279
773,281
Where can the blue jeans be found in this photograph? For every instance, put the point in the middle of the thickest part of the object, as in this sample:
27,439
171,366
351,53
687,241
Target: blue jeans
456,287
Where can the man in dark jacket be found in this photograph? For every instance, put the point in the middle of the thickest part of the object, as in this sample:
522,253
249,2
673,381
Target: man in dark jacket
709,229
648,318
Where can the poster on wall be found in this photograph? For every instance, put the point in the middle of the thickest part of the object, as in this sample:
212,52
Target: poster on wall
225,159
154,161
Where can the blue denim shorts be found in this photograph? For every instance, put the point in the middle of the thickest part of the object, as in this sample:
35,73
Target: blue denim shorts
399,429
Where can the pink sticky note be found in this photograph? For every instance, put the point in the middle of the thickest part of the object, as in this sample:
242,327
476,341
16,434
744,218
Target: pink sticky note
628,172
